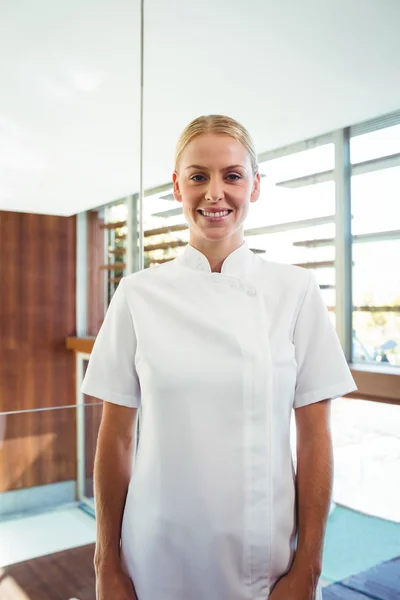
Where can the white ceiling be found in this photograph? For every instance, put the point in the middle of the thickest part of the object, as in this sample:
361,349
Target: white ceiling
69,77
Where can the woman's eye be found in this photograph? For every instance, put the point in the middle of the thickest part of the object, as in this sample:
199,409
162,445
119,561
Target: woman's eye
234,176
197,178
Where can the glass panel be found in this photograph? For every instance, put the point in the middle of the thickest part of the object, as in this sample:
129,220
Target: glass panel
284,205
165,229
298,246
376,298
366,438
375,144
38,485
307,162
376,201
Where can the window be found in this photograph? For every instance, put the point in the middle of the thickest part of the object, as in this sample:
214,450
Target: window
294,221
165,230
376,302
300,164
376,248
375,144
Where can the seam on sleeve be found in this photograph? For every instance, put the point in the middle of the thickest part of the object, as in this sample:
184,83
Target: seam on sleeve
328,393
111,396
302,302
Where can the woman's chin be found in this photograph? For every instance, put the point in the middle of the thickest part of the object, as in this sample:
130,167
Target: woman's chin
215,235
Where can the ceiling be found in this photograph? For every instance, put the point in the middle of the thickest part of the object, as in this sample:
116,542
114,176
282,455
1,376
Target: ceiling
70,85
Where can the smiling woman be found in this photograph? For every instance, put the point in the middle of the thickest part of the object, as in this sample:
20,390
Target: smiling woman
217,347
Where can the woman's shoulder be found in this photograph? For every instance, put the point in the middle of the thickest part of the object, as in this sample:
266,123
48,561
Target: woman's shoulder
291,277
149,275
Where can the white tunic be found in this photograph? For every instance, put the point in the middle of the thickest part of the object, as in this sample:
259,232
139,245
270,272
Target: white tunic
217,361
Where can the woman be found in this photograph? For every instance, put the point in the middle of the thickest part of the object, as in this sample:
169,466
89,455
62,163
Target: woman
217,347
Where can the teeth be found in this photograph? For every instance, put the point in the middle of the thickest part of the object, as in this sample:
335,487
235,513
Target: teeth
215,214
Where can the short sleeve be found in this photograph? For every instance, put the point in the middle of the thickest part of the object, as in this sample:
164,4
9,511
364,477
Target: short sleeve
111,373
322,369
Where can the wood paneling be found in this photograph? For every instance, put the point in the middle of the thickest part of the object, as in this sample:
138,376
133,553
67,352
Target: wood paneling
39,448
37,313
95,258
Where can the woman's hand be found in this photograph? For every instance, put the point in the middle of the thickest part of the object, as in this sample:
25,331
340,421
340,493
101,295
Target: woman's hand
295,586
114,584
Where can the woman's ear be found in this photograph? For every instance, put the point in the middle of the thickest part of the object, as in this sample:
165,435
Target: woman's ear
177,191
255,194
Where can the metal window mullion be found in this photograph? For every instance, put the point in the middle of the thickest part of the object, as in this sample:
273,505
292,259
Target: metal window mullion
80,431
132,259
343,240
106,273
139,207
81,274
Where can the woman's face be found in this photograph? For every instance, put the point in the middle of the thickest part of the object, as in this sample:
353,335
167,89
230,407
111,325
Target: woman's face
215,184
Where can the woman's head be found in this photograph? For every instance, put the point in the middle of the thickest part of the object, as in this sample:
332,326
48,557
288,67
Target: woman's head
216,172
217,125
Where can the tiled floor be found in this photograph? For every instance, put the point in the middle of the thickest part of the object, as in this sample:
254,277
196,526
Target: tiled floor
50,578
39,535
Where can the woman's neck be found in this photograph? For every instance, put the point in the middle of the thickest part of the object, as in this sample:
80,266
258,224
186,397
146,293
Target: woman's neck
216,252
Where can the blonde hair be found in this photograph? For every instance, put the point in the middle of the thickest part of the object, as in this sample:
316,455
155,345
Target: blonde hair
220,125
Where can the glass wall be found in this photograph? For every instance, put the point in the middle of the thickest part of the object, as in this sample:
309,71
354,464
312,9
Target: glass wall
79,89
294,222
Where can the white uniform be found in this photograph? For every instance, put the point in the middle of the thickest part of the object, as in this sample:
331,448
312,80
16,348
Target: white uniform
217,361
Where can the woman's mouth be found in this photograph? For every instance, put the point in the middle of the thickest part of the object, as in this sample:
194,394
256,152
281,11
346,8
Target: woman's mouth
215,216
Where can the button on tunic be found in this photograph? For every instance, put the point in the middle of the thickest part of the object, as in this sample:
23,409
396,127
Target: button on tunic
217,362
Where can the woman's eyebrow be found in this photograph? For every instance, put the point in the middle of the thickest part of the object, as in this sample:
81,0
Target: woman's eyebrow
224,169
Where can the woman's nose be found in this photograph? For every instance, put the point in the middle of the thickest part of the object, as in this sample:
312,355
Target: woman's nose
215,190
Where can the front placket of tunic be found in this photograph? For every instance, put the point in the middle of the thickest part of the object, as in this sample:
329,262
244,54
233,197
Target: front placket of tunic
251,325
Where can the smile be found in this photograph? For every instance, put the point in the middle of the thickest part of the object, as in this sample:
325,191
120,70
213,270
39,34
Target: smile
215,215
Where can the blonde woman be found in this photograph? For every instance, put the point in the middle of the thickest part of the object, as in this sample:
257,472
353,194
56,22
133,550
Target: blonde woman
217,347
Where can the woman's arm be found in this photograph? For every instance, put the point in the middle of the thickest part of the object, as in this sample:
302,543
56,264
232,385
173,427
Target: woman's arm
112,473
314,484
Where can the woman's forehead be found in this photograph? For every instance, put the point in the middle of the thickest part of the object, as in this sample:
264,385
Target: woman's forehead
210,150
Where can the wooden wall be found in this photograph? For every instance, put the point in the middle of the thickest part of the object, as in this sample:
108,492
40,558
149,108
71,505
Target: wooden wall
37,313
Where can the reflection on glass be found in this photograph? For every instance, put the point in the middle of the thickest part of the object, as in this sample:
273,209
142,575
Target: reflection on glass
376,201
39,456
376,299
376,144
39,506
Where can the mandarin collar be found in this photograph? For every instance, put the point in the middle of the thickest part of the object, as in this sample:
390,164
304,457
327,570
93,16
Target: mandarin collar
237,264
